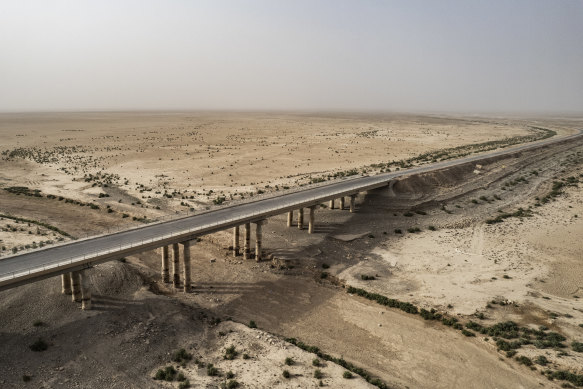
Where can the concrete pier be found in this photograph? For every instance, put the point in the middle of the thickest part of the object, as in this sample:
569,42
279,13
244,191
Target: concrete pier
311,220
85,290
235,241
352,198
258,239
290,218
246,249
175,265
66,281
342,202
165,264
186,266
76,288
301,218
332,204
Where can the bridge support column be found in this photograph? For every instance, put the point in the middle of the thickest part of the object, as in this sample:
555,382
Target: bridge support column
332,204
352,198
342,202
66,281
311,220
290,218
301,218
235,241
175,265
85,290
246,249
186,266
76,288
258,239
165,260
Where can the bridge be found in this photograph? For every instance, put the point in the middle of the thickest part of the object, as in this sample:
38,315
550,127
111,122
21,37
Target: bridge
71,258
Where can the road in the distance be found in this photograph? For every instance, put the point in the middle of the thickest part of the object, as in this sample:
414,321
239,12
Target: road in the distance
61,258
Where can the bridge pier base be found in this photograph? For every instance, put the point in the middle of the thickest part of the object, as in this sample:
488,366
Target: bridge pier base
352,198
311,220
290,218
85,290
258,239
246,249
332,204
66,282
342,203
165,259
76,288
175,265
235,241
186,266
301,218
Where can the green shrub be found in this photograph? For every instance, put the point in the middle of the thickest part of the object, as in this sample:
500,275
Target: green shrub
181,356
577,346
211,370
318,374
523,360
38,323
289,361
413,230
541,360
365,277
431,228
230,375
184,385
323,275
26,378
39,345
231,384
347,374
252,324
246,356
468,333
180,377
230,353
286,374
398,231
166,374
316,362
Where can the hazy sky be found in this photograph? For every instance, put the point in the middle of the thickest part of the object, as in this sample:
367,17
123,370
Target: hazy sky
477,56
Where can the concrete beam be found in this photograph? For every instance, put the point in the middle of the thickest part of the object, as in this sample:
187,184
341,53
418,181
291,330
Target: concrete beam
235,241
258,240
332,204
301,218
246,248
186,266
175,265
76,287
342,202
311,220
85,290
165,264
66,282
290,218
352,198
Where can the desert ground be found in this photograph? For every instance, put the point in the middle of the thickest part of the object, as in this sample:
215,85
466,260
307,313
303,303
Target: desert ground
475,245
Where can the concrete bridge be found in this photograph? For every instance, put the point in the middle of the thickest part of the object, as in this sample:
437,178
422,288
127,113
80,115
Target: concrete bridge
70,259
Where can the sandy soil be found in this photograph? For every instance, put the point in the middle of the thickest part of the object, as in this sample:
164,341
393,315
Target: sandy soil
459,268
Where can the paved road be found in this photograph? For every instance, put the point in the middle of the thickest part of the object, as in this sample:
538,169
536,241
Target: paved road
19,269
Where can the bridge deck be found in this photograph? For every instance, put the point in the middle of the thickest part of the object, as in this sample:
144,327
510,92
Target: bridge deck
27,267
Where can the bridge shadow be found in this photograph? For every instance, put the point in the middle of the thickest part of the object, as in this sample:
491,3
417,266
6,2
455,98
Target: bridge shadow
108,303
224,288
